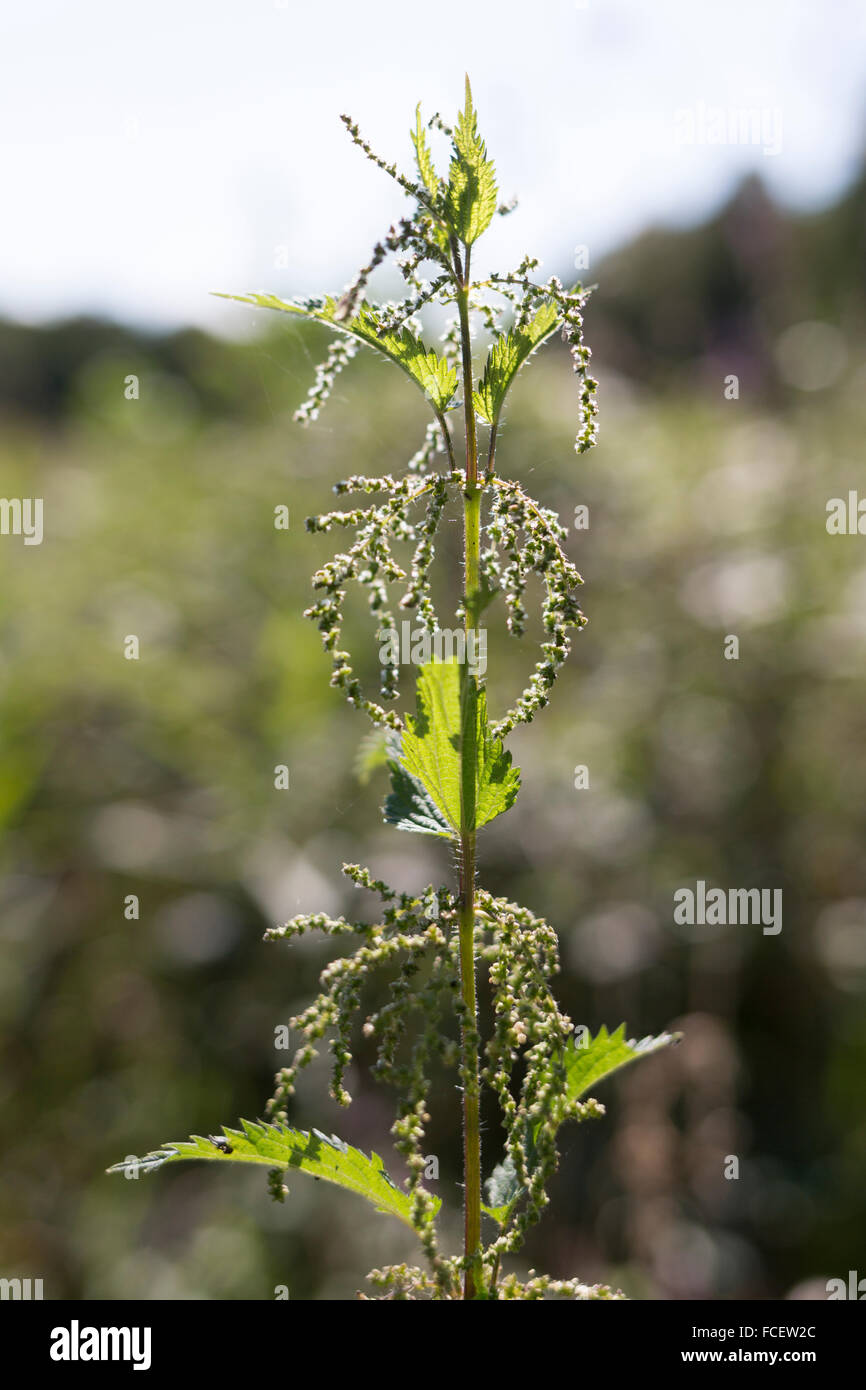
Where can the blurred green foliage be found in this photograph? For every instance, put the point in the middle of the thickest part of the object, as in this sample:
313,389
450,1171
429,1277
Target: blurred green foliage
156,778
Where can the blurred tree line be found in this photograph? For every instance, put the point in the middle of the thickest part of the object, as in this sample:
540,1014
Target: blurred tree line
154,779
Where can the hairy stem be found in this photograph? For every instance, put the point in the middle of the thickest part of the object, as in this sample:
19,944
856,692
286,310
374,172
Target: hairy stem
469,756
469,1071
466,354
469,1036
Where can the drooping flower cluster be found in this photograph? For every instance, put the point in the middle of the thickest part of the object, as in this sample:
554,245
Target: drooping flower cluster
414,937
415,941
523,538
530,537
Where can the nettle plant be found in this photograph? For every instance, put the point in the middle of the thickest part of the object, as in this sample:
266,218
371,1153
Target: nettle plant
444,949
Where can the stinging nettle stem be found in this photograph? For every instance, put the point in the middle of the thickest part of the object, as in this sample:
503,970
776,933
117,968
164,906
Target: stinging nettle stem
470,1060
469,1029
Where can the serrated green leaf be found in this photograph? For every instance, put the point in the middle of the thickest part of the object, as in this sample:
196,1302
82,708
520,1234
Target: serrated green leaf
585,1067
423,157
409,807
471,196
448,709
506,357
277,1146
437,379
425,367
605,1054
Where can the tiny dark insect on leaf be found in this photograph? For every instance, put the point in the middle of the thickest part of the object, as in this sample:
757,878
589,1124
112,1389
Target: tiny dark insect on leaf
220,1143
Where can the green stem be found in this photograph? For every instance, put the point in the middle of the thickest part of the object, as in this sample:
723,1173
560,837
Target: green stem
470,1039
466,353
470,1050
469,1070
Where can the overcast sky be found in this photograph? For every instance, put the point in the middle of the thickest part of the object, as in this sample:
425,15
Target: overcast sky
153,152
